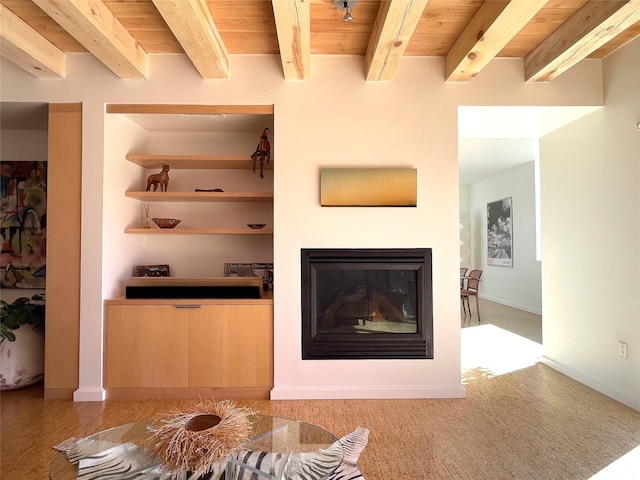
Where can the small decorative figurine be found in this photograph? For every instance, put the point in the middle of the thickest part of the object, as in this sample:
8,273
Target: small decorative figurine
263,152
161,179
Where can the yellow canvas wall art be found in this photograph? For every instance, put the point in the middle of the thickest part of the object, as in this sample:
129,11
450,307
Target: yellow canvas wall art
368,187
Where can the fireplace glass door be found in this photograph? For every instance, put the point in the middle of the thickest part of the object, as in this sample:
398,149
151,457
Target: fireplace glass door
366,303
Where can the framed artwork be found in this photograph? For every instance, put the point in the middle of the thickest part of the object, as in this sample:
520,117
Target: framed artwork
264,270
238,270
24,224
151,271
500,233
368,187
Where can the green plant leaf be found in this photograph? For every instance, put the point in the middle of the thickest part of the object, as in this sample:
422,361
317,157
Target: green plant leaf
23,311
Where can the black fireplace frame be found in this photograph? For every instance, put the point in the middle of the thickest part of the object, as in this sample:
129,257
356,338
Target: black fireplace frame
327,346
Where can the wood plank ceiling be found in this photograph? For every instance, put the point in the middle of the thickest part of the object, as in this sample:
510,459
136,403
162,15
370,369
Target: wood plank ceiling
550,36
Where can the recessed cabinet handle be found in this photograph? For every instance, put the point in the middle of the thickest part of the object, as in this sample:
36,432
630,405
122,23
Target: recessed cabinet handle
187,306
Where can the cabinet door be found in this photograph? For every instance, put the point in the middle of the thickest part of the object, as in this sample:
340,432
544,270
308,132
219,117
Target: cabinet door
147,346
231,346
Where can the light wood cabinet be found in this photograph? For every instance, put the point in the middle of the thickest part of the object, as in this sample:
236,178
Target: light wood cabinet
147,346
172,348
230,346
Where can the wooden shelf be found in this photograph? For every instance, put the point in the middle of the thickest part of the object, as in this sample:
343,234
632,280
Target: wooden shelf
173,109
199,231
202,196
196,161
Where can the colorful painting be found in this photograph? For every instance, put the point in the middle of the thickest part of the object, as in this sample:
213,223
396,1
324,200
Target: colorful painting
500,233
24,224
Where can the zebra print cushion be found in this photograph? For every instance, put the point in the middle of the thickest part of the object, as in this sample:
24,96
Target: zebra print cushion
248,465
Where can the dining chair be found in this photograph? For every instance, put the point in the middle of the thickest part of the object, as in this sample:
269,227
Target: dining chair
471,290
463,276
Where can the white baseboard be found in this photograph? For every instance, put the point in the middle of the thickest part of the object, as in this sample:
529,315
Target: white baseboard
369,393
591,382
537,311
89,395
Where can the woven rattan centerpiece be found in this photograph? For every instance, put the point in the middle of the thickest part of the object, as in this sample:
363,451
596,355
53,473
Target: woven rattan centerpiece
202,436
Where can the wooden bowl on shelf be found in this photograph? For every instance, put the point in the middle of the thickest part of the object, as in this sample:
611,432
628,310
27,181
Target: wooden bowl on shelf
166,222
256,226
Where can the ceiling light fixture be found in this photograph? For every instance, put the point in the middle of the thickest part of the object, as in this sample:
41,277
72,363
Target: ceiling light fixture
345,5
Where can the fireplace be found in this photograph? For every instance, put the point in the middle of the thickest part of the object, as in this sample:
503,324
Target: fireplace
367,304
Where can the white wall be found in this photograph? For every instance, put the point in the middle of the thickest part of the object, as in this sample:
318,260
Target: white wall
410,121
466,229
518,286
591,237
24,145
465,206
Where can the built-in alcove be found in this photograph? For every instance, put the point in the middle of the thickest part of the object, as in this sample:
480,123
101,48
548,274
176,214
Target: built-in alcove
367,304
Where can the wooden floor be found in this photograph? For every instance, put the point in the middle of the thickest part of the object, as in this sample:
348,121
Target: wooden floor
531,423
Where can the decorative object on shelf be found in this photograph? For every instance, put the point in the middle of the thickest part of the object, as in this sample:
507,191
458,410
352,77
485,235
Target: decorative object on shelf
201,437
368,187
256,226
262,153
166,222
238,270
151,271
264,271
146,224
212,190
261,270
161,178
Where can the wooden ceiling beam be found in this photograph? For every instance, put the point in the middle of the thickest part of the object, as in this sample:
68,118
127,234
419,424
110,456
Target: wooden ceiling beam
392,30
193,26
596,23
293,25
491,29
22,45
92,24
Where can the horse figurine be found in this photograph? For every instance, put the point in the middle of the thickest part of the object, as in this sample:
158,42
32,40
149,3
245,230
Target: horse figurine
263,152
161,179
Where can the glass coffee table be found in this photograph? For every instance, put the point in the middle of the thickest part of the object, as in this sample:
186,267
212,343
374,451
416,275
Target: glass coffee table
278,448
